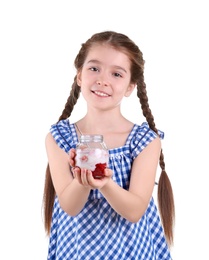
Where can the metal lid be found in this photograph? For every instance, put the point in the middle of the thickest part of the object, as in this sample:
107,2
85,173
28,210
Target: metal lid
91,138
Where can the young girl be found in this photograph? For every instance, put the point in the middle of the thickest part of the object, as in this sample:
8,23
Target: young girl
114,217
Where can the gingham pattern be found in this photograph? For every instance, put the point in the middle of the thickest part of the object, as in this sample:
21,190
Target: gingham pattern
98,232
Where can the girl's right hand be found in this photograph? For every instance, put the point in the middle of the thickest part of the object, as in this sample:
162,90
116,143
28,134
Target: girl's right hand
72,155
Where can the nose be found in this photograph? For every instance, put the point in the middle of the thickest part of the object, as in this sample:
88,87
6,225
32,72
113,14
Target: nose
102,82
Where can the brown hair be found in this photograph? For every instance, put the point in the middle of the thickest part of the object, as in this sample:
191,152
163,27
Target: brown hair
122,43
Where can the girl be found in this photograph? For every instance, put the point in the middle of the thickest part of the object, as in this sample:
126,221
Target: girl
114,217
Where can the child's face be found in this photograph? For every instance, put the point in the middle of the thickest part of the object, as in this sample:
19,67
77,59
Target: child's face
105,76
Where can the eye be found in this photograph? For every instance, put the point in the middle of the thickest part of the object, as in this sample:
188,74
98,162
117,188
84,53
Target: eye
117,75
94,69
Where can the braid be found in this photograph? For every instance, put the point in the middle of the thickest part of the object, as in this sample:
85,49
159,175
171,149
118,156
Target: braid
71,101
49,191
165,193
166,201
142,94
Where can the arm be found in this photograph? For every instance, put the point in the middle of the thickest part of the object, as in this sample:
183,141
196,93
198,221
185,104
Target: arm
71,194
133,203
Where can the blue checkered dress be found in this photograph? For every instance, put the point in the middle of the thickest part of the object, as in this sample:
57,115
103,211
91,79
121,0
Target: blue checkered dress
98,232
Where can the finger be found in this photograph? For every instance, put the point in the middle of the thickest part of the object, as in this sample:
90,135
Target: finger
90,178
72,163
72,155
108,172
74,169
84,177
77,174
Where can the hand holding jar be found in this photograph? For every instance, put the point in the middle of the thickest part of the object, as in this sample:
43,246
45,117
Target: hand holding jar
89,161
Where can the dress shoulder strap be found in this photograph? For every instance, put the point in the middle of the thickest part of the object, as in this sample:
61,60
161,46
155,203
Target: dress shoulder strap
78,129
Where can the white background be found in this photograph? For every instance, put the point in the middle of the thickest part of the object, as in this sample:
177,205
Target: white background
39,41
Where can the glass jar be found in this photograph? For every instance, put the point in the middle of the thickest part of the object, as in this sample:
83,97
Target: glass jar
92,154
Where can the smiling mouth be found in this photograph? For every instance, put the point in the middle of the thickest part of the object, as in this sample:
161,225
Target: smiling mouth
101,94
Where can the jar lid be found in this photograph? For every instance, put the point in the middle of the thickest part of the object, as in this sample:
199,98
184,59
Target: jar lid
91,138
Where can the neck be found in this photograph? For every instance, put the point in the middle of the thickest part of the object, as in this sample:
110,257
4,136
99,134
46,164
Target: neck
102,123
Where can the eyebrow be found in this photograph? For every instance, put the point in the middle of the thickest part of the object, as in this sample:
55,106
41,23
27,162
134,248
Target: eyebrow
115,66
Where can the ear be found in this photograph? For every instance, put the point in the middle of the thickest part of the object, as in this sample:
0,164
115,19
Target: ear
78,78
130,89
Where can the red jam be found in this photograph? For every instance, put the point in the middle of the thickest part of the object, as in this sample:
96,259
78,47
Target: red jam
99,170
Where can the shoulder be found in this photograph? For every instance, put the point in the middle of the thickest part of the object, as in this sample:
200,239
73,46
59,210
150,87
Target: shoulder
64,134
60,127
48,138
50,142
142,136
144,130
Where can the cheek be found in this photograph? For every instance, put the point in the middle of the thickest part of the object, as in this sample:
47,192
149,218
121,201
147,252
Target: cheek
88,79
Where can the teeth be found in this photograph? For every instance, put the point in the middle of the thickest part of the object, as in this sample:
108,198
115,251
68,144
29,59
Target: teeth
101,94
